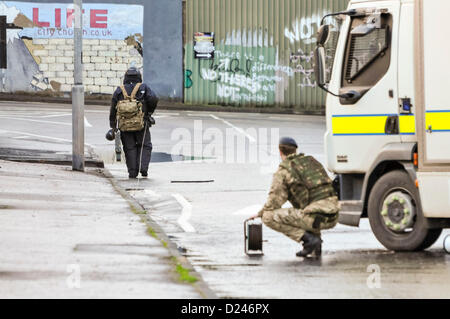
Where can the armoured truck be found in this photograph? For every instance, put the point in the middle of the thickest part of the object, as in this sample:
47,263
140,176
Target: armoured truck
386,68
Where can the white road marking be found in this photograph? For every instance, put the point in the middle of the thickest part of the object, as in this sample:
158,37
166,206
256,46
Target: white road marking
55,115
18,114
251,138
21,137
248,211
31,120
86,123
169,114
183,221
198,115
45,137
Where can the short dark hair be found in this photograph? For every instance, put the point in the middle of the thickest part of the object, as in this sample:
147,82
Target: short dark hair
287,149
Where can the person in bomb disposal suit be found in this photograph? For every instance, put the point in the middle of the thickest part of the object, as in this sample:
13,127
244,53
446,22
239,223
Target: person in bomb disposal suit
132,107
303,182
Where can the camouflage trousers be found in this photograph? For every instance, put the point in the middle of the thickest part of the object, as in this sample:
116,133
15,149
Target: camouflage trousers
293,223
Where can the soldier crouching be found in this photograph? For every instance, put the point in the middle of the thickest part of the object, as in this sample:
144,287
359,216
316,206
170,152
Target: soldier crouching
302,181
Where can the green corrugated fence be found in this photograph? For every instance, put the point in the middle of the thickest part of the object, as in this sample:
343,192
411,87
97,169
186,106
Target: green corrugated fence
263,52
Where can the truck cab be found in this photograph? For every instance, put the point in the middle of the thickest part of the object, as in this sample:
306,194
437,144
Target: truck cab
384,65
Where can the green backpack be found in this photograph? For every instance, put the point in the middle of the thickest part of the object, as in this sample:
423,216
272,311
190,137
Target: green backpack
129,111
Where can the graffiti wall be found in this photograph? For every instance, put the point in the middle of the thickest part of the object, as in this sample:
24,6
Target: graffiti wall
40,55
263,52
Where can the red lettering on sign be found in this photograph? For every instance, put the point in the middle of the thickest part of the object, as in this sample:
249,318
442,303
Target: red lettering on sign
36,19
58,18
70,17
99,18
95,19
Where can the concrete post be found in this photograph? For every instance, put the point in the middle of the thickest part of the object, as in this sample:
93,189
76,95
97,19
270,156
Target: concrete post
78,92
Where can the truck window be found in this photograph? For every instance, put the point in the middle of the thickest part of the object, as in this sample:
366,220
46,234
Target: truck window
367,57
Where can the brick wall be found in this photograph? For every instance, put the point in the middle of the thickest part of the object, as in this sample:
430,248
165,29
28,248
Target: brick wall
104,62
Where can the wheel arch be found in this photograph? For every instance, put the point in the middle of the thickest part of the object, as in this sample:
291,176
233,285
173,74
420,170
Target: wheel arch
397,156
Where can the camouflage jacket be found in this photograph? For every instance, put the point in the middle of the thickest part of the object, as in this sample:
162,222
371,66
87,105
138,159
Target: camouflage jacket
300,180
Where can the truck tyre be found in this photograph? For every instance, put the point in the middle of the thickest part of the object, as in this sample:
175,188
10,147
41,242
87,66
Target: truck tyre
395,214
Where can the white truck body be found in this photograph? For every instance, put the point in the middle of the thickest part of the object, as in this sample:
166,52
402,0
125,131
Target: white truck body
432,67
402,71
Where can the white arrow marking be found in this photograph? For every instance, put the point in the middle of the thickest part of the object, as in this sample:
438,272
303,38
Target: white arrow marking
86,123
183,221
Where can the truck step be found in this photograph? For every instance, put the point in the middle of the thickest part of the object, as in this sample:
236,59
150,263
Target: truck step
350,213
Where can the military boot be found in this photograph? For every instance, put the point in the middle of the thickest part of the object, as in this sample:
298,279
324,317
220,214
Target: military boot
311,243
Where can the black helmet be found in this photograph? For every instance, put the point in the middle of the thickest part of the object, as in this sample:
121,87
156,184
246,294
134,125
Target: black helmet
111,135
133,75
288,141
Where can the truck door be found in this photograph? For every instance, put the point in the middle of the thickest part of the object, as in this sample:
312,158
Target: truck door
367,63
406,100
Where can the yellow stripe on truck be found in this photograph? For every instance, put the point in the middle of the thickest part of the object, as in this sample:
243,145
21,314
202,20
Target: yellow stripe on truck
407,124
359,125
438,120
370,124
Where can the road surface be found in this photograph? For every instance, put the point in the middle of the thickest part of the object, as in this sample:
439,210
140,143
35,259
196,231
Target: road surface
210,172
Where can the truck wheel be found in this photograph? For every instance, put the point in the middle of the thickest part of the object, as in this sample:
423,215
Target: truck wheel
395,214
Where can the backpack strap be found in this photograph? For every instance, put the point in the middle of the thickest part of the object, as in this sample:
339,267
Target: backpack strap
124,92
135,90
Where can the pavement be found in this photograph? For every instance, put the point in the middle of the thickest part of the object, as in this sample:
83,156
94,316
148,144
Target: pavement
67,234
199,196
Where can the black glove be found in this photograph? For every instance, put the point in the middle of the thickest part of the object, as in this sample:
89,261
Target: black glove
150,120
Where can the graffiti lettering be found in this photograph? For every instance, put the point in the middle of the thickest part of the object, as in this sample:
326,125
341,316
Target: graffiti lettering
187,79
225,91
303,29
235,94
303,65
250,76
231,65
